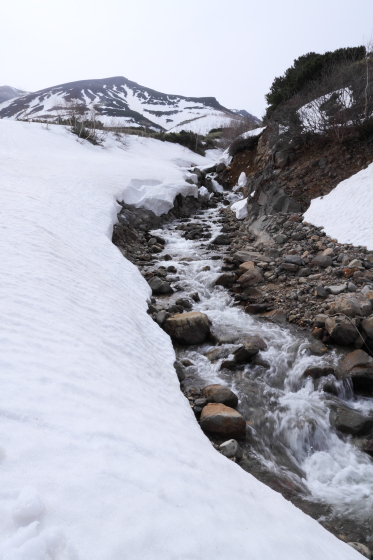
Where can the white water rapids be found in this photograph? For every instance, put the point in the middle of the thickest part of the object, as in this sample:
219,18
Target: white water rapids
291,432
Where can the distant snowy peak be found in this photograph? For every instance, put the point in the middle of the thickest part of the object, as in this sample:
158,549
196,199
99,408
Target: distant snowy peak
9,92
247,115
120,102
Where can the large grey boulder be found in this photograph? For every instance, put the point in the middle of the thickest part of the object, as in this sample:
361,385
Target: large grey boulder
352,305
222,420
220,394
341,330
188,328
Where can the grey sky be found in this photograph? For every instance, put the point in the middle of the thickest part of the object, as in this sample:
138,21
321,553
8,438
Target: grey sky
231,50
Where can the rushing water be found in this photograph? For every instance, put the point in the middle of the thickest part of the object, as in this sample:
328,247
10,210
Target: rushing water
291,436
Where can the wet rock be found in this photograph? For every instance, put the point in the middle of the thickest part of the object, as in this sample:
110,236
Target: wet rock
349,421
357,358
231,449
201,402
364,550
161,316
244,267
245,353
184,302
341,330
316,372
256,308
188,328
228,364
358,366
277,316
167,258
220,167
322,261
222,239
179,371
159,286
250,278
220,394
217,354
222,420
352,305
226,279
319,320
195,297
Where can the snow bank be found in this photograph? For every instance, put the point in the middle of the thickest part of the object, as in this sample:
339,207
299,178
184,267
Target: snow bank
240,208
101,456
254,132
346,212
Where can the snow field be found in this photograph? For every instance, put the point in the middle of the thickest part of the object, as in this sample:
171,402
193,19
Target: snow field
101,456
346,212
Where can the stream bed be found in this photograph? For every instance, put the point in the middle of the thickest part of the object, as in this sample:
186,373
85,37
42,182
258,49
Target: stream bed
291,445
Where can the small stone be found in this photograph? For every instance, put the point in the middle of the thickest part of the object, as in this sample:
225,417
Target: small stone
231,449
159,286
351,287
226,279
167,258
245,353
280,239
195,297
337,289
321,292
228,364
322,261
161,316
320,319
201,402
184,302
294,259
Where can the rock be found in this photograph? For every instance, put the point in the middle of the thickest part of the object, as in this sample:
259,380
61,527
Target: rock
369,295
231,449
246,256
244,267
281,158
195,297
250,278
364,550
337,289
352,305
255,308
358,366
354,359
217,353
220,167
159,286
322,261
188,328
222,239
316,372
290,267
277,316
354,263
293,259
323,162
280,239
367,326
167,258
179,371
245,353
228,364
352,288
184,302
341,330
328,252
201,402
349,421
222,420
319,320
320,291
226,279
256,341
220,394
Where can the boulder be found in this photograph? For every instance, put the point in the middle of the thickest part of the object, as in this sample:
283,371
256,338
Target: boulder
341,330
322,261
245,353
220,394
220,167
245,256
179,371
369,295
319,320
352,305
367,327
358,366
349,421
217,353
226,279
357,358
250,278
228,364
222,420
159,286
184,302
244,267
231,449
222,239
316,372
188,328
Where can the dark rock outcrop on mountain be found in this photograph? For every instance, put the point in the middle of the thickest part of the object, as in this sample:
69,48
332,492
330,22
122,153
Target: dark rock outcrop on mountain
9,92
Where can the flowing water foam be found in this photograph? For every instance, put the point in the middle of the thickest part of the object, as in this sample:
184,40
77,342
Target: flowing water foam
290,429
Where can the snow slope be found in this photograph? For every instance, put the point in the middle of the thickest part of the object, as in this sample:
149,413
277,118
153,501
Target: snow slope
346,212
101,457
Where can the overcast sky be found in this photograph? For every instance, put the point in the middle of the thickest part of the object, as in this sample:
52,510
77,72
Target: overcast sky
229,49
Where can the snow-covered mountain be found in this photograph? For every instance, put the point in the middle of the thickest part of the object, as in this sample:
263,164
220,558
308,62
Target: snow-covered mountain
119,101
9,92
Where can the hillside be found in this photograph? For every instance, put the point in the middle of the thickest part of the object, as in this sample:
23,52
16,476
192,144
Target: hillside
8,92
121,102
